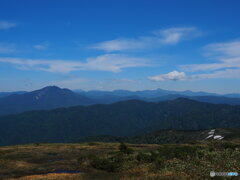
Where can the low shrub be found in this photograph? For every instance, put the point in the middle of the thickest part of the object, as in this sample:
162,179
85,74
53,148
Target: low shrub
159,162
93,143
110,164
228,145
180,152
145,157
37,144
125,149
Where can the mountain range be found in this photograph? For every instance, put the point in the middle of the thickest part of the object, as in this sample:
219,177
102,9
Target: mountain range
126,118
52,97
152,93
4,94
47,98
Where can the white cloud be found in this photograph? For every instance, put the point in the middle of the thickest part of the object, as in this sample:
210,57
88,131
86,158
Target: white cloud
175,35
181,76
6,49
159,38
208,67
120,45
171,76
107,62
225,55
226,63
42,46
229,49
114,62
7,25
227,73
42,65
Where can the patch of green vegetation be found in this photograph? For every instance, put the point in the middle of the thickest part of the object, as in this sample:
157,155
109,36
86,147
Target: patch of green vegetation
123,148
180,152
123,161
93,143
225,145
110,164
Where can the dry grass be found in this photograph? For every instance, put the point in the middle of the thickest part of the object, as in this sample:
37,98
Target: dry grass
50,177
18,161
96,160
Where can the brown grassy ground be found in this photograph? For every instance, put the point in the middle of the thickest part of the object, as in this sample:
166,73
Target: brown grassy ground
105,161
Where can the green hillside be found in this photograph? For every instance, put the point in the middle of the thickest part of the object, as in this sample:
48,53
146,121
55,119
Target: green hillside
170,137
127,118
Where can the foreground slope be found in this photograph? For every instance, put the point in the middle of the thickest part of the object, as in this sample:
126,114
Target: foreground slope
112,161
126,118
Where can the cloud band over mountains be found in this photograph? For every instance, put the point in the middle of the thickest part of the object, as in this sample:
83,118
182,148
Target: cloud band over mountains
107,62
226,57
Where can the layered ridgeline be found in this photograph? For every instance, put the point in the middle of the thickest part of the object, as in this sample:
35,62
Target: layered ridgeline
53,97
4,94
126,118
104,97
157,93
50,97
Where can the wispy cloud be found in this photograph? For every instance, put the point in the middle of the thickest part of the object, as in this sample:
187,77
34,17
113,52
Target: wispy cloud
182,76
115,62
7,48
158,38
122,80
107,62
229,49
171,76
42,46
225,55
121,44
226,62
175,35
7,25
227,73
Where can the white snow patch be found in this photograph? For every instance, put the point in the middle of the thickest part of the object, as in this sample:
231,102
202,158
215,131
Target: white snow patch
209,136
217,137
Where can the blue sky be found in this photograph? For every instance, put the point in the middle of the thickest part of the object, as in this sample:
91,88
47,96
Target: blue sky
121,44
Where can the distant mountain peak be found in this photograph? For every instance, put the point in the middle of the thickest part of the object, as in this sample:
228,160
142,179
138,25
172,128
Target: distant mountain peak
49,97
52,89
47,88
